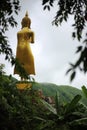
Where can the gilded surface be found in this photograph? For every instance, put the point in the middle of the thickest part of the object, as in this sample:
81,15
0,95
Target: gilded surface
24,53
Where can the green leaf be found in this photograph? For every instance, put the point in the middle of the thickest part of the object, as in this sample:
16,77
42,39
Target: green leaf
49,107
44,2
58,107
57,103
73,104
82,121
46,7
85,41
49,8
39,118
79,48
68,71
73,34
84,89
72,76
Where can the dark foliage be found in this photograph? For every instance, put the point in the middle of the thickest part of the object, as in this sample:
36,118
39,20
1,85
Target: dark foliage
77,8
81,63
25,110
7,9
18,108
65,116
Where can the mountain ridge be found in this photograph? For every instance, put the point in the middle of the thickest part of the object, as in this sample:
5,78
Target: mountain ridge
65,92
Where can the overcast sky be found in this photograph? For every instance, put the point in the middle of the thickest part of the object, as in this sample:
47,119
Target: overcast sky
54,47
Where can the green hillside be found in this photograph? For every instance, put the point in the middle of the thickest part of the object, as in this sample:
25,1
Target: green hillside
66,93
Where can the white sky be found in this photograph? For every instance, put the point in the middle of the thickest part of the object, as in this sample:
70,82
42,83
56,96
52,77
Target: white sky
54,47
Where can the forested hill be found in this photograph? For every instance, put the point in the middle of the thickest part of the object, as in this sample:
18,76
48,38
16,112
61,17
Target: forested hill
66,93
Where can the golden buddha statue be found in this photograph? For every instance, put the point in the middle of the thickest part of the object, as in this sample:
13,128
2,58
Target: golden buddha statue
24,54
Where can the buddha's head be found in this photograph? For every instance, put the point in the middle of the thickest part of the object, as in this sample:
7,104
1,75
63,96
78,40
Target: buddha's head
26,21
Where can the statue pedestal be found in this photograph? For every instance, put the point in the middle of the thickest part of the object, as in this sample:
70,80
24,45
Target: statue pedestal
23,85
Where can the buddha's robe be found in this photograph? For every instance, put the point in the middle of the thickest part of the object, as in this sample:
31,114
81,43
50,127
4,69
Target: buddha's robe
24,54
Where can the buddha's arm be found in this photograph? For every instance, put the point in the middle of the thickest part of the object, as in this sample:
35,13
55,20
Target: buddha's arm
32,37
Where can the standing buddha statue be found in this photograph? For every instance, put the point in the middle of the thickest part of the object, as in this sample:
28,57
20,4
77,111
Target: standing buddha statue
24,54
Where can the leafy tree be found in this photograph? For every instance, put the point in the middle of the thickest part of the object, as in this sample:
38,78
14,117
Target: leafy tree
7,10
78,9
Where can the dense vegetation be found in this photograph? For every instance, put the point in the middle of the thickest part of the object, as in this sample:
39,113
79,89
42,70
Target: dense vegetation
26,110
